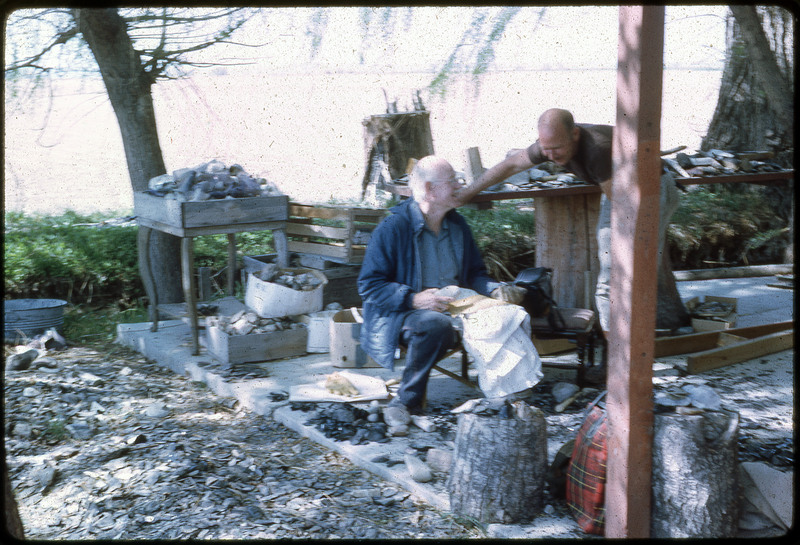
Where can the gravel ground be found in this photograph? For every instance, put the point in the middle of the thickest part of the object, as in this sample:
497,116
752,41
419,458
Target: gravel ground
113,446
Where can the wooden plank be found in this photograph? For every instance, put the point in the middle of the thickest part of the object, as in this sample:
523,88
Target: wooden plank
320,212
726,339
696,342
458,377
634,239
306,230
325,250
766,177
210,229
474,168
188,214
566,241
233,349
735,353
228,211
368,215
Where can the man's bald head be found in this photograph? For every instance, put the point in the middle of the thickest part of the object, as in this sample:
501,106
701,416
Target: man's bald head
558,135
556,117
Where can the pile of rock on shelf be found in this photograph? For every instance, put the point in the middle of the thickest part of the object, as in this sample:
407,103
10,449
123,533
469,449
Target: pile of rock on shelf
301,281
716,162
211,180
700,164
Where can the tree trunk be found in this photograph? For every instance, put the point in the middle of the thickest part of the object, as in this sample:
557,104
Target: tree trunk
695,480
390,140
129,90
755,110
499,466
13,522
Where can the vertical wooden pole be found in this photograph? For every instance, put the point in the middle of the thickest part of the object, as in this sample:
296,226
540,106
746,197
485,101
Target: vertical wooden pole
189,288
634,239
231,262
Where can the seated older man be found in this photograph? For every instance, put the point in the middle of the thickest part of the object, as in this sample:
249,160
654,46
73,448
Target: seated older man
421,246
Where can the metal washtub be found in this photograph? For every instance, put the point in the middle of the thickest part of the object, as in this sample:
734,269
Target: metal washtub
31,317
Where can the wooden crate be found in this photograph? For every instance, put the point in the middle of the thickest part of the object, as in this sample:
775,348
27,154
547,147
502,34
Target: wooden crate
329,231
255,347
189,214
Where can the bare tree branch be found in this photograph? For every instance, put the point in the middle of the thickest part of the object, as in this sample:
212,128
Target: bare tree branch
33,61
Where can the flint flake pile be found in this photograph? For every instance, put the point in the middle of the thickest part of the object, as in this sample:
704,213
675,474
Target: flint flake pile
212,180
245,323
681,165
290,279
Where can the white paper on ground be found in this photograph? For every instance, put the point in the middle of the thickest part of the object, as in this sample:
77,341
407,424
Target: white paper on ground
369,388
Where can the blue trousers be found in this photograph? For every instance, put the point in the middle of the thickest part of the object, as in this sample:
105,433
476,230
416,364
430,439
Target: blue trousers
428,336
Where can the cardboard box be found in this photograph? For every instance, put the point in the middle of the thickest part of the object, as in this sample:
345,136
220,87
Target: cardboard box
319,330
545,347
712,324
232,349
270,300
345,346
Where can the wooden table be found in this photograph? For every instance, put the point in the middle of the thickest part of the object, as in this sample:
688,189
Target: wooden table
188,220
566,223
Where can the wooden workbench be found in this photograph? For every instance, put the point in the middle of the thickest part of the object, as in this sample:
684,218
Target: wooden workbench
188,220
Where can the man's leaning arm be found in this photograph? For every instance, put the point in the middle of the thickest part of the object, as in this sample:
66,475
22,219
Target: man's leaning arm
506,168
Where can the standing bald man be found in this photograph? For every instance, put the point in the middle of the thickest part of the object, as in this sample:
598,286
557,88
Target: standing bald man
584,150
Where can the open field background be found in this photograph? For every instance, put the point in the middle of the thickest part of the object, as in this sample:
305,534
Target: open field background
302,131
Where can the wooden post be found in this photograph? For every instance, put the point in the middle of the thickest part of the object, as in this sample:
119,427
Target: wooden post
204,283
634,239
566,241
231,262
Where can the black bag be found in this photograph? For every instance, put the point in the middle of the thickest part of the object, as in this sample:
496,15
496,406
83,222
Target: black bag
538,300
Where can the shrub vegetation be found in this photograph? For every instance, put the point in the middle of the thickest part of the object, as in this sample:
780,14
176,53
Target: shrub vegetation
91,260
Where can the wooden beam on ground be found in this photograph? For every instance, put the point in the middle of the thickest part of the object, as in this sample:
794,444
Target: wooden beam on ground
739,352
697,342
634,239
459,378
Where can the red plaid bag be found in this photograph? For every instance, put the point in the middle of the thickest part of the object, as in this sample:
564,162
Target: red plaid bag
586,472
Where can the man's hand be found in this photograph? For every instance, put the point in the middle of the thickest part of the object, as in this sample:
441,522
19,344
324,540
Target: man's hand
464,194
429,300
509,294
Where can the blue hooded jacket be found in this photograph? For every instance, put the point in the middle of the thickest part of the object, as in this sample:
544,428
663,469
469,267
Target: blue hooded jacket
391,274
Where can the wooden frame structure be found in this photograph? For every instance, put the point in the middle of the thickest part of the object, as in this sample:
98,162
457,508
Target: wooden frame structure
634,238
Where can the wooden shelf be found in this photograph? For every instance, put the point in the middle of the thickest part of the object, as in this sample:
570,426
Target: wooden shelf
587,189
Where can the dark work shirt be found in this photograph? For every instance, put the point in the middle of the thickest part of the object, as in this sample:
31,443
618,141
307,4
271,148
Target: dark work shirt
592,160
439,267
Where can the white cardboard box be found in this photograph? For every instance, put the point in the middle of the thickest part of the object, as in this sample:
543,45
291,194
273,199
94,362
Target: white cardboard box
270,300
319,330
345,346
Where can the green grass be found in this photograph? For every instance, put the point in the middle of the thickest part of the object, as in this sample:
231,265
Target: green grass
94,326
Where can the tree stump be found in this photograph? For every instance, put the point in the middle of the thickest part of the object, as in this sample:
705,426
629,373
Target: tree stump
390,141
499,466
695,484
